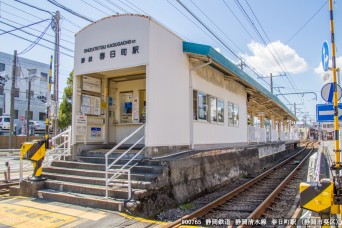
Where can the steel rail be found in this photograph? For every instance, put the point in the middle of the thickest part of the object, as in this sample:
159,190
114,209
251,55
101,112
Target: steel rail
5,186
267,202
205,209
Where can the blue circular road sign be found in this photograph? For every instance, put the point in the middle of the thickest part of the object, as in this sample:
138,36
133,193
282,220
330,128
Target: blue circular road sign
325,56
327,92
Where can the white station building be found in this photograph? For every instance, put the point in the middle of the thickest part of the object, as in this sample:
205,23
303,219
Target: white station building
130,71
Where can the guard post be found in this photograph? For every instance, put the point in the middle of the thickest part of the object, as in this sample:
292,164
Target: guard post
35,152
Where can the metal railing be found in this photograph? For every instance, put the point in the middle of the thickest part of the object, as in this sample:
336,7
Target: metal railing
116,173
61,147
256,134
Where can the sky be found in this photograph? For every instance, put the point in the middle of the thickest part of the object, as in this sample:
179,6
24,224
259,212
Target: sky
271,37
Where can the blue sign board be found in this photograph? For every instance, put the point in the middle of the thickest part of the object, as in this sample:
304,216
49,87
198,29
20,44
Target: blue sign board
327,92
325,112
325,56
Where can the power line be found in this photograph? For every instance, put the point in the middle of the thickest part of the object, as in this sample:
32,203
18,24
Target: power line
301,28
249,20
119,7
22,27
137,7
37,43
32,16
209,30
69,10
68,49
94,7
216,26
106,7
34,7
128,6
35,29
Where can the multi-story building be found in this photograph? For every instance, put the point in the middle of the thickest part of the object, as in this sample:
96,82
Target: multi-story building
27,70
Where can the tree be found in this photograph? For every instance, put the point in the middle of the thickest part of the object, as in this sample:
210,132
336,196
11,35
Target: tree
65,108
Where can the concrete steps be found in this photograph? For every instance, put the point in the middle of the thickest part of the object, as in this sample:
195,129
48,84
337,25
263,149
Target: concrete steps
81,199
101,160
118,191
82,182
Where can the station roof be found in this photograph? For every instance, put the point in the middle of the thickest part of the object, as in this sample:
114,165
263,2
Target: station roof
260,100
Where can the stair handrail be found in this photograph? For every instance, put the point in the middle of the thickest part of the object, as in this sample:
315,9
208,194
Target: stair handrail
65,147
120,171
46,162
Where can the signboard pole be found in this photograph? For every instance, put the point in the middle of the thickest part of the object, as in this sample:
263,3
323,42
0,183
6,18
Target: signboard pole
336,125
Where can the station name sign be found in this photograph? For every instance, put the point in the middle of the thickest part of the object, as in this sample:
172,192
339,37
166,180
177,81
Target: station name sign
115,44
112,53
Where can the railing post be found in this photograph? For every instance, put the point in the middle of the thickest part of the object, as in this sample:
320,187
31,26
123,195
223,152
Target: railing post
21,169
106,175
129,184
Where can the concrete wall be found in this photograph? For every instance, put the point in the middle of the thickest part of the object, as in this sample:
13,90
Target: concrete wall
192,177
17,141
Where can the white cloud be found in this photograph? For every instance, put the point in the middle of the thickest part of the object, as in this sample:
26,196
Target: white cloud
327,76
263,60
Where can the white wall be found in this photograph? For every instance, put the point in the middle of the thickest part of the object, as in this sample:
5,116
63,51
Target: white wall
210,81
167,90
107,31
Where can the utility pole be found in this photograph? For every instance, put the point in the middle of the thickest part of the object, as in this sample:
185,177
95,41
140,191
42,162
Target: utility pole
271,80
31,75
56,28
28,111
14,72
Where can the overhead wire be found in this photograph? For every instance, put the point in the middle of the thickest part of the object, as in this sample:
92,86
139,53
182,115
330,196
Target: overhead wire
282,63
129,6
36,7
137,7
117,6
105,6
70,10
302,27
86,2
37,44
35,29
21,10
65,48
16,28
217,26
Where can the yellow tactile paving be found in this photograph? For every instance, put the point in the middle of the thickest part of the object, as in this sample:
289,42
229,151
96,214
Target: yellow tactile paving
20,216
67,211
142,219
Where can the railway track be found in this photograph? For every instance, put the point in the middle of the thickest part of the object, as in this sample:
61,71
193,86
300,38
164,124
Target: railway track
250,200
4,187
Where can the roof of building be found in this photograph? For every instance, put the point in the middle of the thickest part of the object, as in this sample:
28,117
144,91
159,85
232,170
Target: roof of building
265,100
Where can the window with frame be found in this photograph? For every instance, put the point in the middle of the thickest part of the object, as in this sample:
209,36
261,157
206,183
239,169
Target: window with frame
2,67
233,114
16,114
1,90
31,92
30,115
42,116
16,92
202,106
213,109
0,112
194,101
220,111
